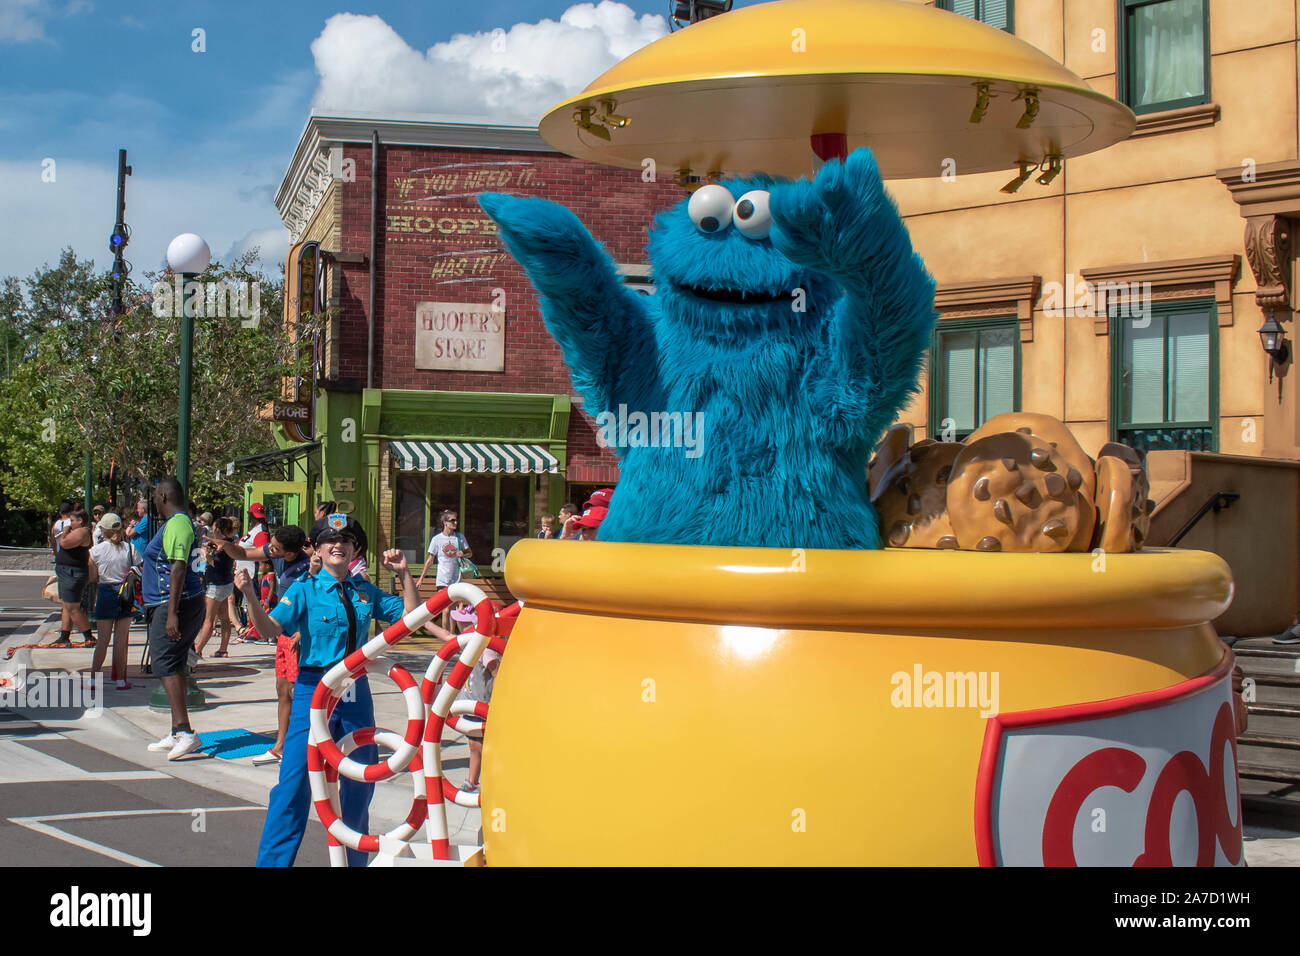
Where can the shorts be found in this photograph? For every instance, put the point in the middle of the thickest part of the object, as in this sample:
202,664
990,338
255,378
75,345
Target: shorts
219,592
108,606
478,688
72,583
172,657
286,661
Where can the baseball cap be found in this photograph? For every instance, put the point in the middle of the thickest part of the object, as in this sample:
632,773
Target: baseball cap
592,517
599,499
109,522
256,510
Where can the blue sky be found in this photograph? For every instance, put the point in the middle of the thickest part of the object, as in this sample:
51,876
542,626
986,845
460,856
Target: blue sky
209,134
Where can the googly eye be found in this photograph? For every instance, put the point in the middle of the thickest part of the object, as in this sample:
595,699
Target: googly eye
710,208
752,216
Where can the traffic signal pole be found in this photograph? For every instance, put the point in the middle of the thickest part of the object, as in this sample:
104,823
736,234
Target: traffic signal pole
121,234
116,245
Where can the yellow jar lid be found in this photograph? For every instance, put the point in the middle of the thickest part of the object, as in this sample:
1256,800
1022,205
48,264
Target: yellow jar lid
744,91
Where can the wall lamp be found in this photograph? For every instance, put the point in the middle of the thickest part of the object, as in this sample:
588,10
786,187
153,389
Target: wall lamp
1273,337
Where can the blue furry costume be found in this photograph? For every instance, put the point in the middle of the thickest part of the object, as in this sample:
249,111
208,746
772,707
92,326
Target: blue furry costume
799,343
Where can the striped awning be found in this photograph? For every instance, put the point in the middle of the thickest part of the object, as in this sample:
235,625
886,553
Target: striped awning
473,457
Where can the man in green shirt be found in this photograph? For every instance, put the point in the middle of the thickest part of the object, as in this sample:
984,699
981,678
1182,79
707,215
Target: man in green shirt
174,609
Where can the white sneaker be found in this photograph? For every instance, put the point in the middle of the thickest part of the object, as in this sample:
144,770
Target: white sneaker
185,744
162,746
269,757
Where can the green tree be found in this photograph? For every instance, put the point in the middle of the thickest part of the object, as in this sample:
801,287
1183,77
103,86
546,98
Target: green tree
110,383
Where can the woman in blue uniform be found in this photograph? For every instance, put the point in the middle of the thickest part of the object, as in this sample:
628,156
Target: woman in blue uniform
331,613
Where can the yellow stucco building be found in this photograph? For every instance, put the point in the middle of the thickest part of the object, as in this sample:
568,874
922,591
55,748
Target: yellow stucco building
1127,294
1193,208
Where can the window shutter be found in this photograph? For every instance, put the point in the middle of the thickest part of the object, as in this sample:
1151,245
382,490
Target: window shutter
1144,368
1189,367
996,13
959,356
997,372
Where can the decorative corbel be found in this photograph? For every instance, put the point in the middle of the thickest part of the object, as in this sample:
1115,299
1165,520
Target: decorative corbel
1268,246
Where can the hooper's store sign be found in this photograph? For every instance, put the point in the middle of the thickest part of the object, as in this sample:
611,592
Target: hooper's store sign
1143,783
467,336
297,412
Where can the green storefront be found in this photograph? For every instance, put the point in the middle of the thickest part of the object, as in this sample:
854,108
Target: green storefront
395,458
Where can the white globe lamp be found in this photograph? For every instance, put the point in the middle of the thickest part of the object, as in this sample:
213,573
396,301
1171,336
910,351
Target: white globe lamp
188,254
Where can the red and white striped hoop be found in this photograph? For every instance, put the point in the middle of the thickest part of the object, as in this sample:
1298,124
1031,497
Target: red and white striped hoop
430,706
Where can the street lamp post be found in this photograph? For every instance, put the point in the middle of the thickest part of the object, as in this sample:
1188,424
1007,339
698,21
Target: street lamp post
187,255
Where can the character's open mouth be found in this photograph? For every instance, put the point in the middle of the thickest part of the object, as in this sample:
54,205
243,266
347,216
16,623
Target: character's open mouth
734,296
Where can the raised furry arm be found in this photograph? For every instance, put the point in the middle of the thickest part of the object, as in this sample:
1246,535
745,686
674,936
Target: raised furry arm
601,326
845,225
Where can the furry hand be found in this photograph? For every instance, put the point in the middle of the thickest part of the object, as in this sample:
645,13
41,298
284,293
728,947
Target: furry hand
538,231
834,224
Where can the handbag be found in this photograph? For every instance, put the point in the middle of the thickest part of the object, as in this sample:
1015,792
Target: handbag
468,569
126,594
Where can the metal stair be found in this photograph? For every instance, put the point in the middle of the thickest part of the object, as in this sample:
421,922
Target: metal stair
1268,754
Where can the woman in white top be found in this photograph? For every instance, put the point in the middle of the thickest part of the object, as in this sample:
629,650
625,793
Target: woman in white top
113,558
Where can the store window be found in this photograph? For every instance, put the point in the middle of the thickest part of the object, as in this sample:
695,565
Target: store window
478,519
513,510
1166,377
974,374
996,13
411,498
495,511
1164,54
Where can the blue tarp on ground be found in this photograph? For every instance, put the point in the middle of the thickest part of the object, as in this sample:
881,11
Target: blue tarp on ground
234,744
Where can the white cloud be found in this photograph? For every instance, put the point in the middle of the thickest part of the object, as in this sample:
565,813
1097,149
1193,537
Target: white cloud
511,76
77,210
20,20
272,246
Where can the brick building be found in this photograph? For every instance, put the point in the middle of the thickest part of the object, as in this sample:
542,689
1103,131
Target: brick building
464,400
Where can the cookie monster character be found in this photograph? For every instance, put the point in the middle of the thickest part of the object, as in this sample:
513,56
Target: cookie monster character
789,321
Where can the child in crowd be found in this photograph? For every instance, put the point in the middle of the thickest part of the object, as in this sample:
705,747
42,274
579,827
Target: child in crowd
548,527
477,688
266,579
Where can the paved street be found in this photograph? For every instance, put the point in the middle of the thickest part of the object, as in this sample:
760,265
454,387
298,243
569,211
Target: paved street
20,601
117,812
129,807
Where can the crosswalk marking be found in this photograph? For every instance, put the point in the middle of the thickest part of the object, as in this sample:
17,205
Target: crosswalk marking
19,764
41,824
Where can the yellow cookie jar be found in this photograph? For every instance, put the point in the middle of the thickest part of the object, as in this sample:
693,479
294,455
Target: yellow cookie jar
729,706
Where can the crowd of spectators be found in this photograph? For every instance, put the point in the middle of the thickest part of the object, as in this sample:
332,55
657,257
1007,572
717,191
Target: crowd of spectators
188,576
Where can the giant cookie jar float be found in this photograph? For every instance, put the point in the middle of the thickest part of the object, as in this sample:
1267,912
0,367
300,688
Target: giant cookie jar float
773,654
